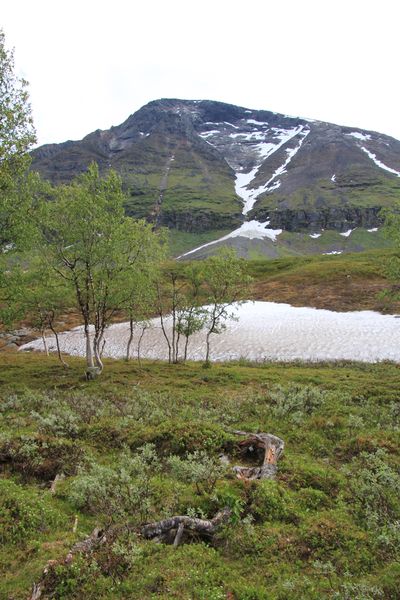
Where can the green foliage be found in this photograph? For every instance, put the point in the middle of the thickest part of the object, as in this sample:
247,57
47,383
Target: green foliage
102,255
24,513
306,535
16,137
124,490
374,486
271,502
295,402
226,282
198,468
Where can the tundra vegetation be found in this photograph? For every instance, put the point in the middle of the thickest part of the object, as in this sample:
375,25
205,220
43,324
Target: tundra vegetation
94,473
161,481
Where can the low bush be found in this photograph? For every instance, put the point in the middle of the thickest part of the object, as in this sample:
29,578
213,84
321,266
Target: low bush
40,456
24,513
295,402
121,491
198,468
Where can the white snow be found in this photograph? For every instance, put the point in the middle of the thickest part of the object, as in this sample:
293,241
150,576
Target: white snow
372,230
333,252
249,229
379,163
347,233
333,178
264,331
206,134
251,195
258,123
359,136
315,235
231,125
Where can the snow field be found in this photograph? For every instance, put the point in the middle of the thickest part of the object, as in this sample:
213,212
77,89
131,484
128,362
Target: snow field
263,331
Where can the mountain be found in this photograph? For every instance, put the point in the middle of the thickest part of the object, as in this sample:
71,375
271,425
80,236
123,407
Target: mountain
261,179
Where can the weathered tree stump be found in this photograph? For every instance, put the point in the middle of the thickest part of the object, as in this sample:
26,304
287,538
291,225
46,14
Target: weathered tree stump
161,530
273,448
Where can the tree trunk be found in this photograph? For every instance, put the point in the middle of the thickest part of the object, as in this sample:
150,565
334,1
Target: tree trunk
186,349
58,477
208,347
139,343
128,346
166,337
273,448
64,364
97,352
46,349
89,353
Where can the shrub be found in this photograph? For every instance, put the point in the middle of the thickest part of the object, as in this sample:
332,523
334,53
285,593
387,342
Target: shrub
40,456
62,422
121,491
180,437
24,513
311,499
375,488
295,402
357,591
272,502
300,475
198,468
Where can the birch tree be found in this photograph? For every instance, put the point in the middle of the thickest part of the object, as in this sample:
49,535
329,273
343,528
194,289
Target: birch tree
17,136
89,243
226,283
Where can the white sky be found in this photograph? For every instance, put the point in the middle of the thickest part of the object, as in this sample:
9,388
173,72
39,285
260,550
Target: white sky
91,63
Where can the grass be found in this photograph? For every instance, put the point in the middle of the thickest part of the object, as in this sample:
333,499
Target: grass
353,281
325,529
287,535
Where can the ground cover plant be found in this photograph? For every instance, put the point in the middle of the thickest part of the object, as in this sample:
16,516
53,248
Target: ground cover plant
147,443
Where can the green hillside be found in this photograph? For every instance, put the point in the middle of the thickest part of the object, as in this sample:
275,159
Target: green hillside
326,528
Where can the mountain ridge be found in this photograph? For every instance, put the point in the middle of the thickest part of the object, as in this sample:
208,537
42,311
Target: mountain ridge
200,165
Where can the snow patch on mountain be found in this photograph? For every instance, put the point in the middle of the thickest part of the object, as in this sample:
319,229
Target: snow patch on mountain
253,230
252,195
264,150
359,136
379,163
346,233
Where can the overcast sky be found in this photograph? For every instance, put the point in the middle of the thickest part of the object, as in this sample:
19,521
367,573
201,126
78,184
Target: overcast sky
91,64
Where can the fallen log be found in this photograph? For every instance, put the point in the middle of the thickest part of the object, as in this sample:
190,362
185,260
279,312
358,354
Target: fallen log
96,538
273,448
161,530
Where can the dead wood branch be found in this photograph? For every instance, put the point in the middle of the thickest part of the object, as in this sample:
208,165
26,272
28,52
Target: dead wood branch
273,448
161,529
95,539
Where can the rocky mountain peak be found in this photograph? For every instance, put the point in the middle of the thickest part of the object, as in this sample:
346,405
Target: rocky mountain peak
200,165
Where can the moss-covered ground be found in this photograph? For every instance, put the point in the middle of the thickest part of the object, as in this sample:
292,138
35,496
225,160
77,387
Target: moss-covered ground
326,528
